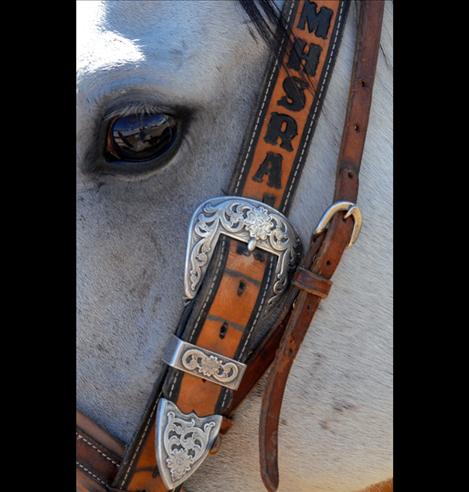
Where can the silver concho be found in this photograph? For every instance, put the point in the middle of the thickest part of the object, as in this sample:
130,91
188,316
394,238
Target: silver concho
250,221
182,442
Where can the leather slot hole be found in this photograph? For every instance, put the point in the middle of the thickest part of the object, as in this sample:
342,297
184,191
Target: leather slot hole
328,263
259,256
356,128
241,288
350,174
223,330
241,249
363,83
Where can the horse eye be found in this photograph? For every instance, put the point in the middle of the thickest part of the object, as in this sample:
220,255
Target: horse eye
140,138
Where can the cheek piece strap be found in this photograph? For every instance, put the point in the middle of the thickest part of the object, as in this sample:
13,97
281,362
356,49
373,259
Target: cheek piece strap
250,291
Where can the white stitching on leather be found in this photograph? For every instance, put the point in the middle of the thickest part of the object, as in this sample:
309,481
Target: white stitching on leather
313,118
80,437
196,324
242,171
261,304
91,474
172,386
139,445
339,20
137,449
263,104
254,322
235,191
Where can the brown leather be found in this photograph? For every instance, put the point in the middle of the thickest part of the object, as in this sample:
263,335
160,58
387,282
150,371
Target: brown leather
196,394
257,364
311,282
98,455
260,360
228,303
323,259
385,486
257,189
262,357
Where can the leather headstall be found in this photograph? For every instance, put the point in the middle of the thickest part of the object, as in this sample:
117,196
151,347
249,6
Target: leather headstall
250,292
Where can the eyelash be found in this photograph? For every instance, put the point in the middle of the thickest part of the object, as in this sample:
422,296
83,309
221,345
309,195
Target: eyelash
140,109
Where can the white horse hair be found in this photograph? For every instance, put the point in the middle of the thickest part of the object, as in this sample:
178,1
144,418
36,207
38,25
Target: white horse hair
206,57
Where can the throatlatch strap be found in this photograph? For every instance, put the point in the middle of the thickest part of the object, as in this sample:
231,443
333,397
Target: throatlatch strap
224,315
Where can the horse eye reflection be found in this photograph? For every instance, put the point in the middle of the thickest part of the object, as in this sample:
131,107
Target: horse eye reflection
137,138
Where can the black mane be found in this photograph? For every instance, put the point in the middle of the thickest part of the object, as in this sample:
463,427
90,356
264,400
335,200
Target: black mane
267,18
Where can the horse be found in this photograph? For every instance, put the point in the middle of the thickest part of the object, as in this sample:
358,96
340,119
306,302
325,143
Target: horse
203,62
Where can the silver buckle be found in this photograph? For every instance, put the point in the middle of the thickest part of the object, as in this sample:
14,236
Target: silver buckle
203,363
352,210
182,442
246,220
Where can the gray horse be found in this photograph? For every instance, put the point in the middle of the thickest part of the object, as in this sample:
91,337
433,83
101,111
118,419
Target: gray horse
205,60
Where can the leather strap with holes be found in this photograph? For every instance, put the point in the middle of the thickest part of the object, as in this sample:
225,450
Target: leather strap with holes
229,310
326,251
99,455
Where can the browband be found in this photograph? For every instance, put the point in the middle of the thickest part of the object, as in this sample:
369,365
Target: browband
242,270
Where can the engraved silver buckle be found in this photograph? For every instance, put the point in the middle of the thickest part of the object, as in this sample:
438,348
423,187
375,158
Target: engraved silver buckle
203,363
246,220
182,442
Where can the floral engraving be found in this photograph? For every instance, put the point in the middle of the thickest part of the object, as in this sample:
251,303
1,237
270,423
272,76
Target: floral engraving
249,221
179,463
186,440
209,366
259,223
185,443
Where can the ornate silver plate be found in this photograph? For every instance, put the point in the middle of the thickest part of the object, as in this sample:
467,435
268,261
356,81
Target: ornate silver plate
203,363
250,221
182,442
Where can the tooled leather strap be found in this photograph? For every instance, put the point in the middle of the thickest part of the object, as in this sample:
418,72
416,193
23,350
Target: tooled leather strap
99,455
326,250
225,315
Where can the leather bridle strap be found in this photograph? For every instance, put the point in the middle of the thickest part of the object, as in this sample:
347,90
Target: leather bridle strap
325,251
98,456
234,290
